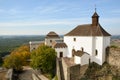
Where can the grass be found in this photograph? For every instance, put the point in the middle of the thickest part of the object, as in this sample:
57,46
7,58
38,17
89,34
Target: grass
96,71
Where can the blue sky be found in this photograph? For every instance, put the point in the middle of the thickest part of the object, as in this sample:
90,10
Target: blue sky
38,17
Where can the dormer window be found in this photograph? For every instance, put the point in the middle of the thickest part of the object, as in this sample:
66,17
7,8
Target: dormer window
74,39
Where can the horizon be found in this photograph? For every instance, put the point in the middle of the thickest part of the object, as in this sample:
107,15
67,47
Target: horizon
40,17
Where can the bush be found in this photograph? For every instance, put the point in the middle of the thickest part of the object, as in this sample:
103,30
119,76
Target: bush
44,58
17,58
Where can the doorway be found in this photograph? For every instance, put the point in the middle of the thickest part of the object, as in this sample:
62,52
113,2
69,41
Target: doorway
61,54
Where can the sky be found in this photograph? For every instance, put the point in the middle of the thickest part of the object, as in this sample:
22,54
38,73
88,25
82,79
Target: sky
38,17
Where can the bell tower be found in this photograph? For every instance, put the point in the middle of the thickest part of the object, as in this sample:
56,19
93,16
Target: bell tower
95,19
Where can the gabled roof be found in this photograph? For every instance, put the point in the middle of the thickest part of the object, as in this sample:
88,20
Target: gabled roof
60,45
88,30
79,53
52,35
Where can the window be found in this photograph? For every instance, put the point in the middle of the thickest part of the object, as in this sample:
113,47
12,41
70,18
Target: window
74,39
50,41
96,52
73,52
33,48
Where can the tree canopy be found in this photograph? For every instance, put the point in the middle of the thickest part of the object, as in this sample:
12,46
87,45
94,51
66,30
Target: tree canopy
17,58
44,58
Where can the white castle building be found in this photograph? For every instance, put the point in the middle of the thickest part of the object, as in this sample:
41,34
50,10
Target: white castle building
85,43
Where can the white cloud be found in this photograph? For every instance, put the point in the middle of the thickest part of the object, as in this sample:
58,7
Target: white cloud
45,22
48,9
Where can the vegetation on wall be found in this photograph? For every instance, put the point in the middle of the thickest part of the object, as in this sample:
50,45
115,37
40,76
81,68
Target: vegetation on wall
44,59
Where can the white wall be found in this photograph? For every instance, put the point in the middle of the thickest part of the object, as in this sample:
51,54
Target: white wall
47,41
85,59
81,41
106,43
77,60
100,45
90,44
64,50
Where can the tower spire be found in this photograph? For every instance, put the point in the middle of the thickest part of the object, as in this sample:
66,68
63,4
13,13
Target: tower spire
95,8
95,18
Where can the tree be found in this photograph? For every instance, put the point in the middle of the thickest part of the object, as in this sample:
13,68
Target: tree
17,58
44,58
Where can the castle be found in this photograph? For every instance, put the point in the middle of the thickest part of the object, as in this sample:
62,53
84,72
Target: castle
84,44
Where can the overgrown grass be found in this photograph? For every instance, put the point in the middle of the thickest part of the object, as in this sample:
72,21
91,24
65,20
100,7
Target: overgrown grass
114,46
95,71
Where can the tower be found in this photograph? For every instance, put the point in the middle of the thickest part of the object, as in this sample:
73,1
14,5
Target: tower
95,19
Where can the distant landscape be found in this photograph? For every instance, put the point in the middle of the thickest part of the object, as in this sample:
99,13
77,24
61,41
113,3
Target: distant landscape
9,43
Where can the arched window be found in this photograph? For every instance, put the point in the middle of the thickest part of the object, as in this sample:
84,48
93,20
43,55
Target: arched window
96,52
73,52
82,49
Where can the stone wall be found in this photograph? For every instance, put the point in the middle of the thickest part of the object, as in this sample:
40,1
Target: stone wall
114,60
73,72
9,74
65,67
58,69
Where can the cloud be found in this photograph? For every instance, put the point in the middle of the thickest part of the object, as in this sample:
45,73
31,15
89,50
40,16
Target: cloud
45,22
48,9
11,11
72,21
116,11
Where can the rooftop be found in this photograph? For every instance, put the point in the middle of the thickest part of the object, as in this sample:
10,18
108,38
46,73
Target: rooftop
94,29
88,30
60,45
52,35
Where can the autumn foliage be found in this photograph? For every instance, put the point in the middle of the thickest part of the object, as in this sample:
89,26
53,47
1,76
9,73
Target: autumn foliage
17,58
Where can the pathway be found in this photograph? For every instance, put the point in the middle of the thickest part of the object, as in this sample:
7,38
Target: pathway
26,74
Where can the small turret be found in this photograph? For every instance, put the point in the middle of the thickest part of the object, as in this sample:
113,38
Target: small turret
95,19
